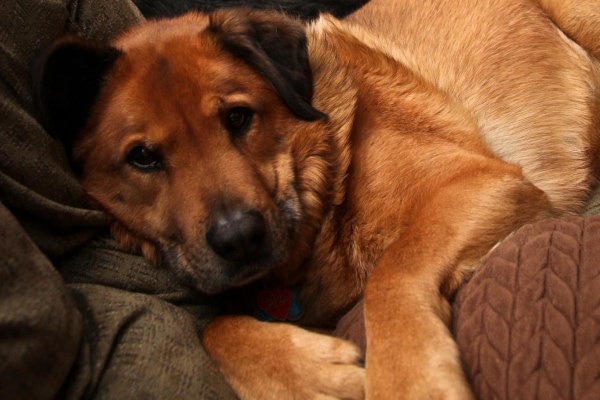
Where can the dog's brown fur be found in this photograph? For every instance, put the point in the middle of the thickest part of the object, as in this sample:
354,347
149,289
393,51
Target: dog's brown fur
449,124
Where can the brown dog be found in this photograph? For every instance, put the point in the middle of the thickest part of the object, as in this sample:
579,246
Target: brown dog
383,155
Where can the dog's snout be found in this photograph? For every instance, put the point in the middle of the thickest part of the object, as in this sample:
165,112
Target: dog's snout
237,235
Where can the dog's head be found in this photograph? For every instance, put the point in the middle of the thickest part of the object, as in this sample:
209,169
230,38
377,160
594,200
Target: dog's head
181,131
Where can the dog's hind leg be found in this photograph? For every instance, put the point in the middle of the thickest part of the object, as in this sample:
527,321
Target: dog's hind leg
410,351
578,19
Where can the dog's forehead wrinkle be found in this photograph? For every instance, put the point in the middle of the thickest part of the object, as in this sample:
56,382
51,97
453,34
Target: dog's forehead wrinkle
162,65
176,74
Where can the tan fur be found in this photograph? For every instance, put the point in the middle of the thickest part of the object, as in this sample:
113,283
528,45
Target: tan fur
450,124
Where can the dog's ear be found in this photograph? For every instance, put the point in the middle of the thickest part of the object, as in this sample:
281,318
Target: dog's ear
67,79
276,47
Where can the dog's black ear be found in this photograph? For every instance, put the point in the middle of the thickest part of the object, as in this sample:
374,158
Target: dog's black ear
67,79
276,47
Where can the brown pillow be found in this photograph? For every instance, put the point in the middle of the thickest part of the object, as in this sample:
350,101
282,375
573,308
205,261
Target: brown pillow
528,322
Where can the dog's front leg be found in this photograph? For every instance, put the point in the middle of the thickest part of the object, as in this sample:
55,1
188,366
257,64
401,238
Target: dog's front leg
280,361
410,351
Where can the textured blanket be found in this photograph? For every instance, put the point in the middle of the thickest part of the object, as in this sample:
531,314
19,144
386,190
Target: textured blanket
527,323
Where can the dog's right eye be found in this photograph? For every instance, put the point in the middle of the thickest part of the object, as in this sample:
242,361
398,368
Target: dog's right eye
143,159
237,120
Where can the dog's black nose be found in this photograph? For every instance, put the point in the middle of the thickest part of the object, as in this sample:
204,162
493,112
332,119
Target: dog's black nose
237,235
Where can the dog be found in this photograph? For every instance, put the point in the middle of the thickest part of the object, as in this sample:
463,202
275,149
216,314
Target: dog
382,156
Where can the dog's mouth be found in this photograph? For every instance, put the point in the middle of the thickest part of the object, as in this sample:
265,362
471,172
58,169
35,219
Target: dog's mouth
212,275
240,246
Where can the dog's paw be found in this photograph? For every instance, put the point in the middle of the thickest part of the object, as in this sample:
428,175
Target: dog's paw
325,367
280,361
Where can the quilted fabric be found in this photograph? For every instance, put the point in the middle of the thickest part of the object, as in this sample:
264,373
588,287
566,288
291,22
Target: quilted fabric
528,323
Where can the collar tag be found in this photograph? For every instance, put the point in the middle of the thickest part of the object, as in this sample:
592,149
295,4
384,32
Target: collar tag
278,303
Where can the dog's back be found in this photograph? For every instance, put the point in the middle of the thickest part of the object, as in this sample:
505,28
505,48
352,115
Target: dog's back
533,91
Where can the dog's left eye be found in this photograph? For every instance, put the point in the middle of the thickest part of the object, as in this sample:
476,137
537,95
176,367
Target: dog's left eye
237,120
143,159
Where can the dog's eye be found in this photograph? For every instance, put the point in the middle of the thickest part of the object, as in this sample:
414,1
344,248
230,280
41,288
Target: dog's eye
238,119
143,159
